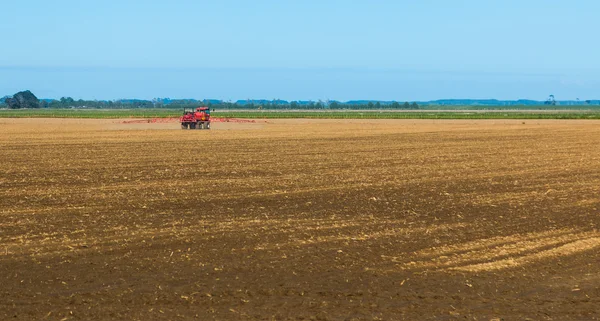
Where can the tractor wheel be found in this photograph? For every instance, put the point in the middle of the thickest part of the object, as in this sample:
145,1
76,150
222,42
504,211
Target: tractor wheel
192,125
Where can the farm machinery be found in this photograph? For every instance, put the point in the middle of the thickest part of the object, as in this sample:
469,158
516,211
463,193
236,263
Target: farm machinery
195,119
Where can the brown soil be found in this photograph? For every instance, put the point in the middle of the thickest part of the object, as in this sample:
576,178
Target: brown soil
300,220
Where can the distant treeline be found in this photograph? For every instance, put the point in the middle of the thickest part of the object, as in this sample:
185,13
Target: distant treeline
68,102
166,103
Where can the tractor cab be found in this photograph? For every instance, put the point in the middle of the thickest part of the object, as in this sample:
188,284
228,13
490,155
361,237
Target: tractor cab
202,113
203,109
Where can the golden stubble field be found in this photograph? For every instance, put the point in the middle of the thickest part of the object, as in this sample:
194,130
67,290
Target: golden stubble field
300,220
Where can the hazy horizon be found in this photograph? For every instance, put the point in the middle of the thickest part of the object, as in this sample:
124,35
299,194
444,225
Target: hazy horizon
288,84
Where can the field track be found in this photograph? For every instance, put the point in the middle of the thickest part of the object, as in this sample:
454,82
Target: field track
300,220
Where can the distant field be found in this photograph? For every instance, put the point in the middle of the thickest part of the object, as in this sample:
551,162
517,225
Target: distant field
337,114
413,115
89,113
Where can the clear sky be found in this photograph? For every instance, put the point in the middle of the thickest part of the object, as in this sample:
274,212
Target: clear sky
299,50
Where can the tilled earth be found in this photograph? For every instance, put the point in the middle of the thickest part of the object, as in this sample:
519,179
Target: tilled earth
300,220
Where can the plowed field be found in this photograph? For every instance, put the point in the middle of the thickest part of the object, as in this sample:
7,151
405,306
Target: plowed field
300,220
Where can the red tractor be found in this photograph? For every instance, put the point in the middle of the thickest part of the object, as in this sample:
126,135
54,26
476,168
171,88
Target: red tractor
199,119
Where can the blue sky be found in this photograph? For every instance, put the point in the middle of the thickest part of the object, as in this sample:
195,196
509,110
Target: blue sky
387,50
